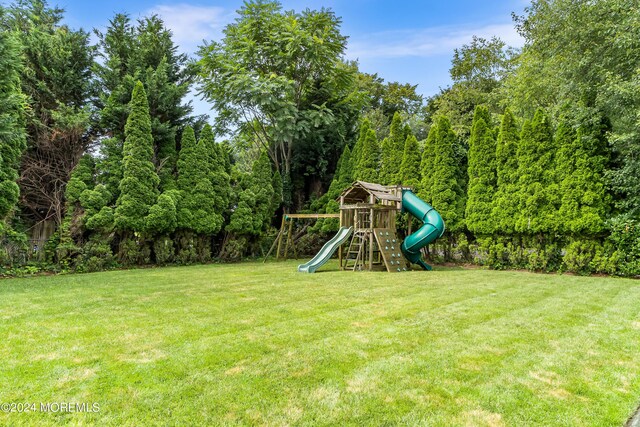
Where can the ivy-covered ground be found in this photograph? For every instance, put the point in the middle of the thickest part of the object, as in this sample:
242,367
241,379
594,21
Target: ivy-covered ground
261,344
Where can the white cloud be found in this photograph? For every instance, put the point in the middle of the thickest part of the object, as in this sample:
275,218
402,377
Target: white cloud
192,24
426,42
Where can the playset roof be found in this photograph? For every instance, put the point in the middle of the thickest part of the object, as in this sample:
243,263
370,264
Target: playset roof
361,190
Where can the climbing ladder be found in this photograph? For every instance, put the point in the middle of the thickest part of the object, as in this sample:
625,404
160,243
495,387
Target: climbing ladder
389,247
355,259
355,253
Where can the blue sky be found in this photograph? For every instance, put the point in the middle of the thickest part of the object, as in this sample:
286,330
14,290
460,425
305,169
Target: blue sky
405,41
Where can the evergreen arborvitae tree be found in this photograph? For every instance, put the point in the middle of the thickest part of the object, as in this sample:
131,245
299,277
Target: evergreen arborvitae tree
346,168
210,205
197,205
505,206
163,216
261,183
537,188
427,165
12,133
407,131
139,185
391,152
369,162
343,176
581,162
79,185
187,180
446,194
253,211
356,153
224,153
83,174
146,52
482,174
410,167
220,180
81,180
82,192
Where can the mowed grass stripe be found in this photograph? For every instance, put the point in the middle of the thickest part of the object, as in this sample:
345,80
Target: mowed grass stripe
537,383
371,294
377,361
254,344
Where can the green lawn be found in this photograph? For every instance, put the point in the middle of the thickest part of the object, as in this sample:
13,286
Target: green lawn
257,343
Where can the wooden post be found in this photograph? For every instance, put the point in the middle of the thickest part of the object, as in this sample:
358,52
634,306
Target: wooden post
371,237
341,222
273,245
286,246
284,216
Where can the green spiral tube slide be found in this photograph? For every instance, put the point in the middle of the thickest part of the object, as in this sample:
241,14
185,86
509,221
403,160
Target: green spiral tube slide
432,227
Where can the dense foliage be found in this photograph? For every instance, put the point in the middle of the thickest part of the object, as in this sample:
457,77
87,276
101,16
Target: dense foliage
279,75
56,78
531,155
12,136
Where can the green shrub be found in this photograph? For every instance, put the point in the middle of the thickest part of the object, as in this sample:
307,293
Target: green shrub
187,251
134,251
544,256
463,248
606,259
163,250
625,239
579,256
492,252
234,248
96,255
203,249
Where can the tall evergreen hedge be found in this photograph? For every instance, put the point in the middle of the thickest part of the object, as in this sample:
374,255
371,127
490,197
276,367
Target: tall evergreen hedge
139,184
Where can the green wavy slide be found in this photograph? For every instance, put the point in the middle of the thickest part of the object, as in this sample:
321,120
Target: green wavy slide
327,251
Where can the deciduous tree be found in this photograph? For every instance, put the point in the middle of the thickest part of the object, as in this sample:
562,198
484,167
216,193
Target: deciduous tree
266,73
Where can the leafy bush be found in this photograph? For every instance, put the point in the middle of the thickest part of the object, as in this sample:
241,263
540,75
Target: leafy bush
498,254
234,248
187,251
96,255
164,250
579,256
545,257
625,239
134,251
203,249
